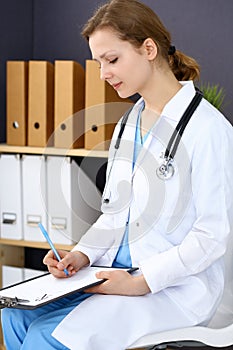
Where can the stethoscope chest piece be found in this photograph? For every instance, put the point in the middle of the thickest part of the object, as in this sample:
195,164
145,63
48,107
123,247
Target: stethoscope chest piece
166,170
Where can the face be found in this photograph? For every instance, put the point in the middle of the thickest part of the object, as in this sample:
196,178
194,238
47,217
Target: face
123,66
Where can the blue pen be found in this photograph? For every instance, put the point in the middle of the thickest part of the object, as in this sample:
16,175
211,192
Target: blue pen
45,233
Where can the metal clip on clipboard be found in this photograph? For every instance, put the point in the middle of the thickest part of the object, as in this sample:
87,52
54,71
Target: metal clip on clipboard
10,302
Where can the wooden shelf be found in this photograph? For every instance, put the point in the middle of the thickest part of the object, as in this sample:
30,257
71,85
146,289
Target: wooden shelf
78,152
33,244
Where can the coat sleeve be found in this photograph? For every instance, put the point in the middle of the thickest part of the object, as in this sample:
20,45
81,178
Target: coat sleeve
211,182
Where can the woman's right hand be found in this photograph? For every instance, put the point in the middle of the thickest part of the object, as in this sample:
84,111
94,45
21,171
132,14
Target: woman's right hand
72,261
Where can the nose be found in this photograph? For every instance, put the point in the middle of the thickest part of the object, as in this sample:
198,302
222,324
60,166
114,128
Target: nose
105,73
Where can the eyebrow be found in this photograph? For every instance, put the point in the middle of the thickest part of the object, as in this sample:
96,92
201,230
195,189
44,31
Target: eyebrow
105,54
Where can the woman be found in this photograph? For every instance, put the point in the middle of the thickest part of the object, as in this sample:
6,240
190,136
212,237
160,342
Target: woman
175,230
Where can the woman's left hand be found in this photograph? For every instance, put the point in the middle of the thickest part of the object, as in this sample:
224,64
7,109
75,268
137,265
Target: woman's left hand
120,282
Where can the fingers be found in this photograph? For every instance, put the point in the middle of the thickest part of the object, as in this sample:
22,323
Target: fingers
101,288
50,259
58,273
75,259
72,261
53,265
62,265
104,274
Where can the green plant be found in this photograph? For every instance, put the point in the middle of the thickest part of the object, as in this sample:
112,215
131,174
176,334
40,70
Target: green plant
214,94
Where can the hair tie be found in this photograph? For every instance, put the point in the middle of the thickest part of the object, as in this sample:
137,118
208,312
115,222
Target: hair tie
172,50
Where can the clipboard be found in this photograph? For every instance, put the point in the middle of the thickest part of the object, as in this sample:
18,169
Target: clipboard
41,290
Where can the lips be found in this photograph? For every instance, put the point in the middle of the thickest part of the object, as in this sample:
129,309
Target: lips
116,86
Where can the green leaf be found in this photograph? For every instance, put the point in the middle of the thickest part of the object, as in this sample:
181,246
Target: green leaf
214,94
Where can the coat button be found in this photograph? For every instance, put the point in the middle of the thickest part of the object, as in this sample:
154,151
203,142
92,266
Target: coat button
137,224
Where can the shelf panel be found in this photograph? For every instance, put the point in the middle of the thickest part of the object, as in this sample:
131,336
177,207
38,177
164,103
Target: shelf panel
32,244
78,152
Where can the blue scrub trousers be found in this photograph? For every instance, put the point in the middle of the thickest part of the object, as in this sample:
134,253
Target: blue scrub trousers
29,329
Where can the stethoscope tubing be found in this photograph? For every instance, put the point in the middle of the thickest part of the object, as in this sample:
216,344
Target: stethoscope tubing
178,132
165,170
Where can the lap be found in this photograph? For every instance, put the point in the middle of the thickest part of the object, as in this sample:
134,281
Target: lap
57,309
119,320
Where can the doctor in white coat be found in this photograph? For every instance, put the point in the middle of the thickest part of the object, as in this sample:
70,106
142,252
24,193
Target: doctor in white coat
174,227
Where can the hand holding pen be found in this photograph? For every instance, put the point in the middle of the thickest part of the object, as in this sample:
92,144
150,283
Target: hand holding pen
69,261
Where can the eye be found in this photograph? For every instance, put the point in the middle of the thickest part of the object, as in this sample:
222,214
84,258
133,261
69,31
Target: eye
114,61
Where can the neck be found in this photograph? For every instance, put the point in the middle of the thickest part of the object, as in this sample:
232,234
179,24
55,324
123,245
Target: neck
159,91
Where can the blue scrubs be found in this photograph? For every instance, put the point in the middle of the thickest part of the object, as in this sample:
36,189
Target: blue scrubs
123,258
28,329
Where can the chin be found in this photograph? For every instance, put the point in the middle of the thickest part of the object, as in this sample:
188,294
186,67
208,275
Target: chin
124,94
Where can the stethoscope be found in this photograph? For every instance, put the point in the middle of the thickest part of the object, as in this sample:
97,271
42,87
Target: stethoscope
166,170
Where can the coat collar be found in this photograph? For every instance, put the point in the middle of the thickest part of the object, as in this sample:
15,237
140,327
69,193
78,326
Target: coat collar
176,107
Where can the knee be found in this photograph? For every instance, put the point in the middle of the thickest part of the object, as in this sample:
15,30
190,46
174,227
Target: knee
14,319
39,332
7,316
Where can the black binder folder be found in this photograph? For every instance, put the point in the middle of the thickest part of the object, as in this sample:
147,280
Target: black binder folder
46,288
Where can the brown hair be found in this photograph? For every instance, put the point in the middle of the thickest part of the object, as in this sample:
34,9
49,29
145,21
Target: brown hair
135,22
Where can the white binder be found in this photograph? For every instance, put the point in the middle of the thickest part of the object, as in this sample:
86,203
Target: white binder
11,196
73,200
34,196
32,273
11,275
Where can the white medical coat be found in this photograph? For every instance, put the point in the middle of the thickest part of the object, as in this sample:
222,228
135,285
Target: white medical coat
178,228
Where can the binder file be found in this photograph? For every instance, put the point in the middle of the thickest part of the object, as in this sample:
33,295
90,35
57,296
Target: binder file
103,109
40,103
73,200
34,196
11,275
31,273
69,104
44,289
11,196
16,102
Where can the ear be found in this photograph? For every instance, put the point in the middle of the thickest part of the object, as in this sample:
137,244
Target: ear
150,49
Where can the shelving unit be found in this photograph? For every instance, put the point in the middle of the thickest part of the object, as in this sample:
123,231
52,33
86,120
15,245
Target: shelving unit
12,251
32,244
78,152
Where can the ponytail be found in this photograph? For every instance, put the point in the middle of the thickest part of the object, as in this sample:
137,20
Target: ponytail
184,67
